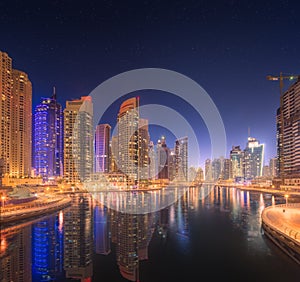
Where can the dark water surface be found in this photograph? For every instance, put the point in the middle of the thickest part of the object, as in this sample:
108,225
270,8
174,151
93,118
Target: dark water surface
208,234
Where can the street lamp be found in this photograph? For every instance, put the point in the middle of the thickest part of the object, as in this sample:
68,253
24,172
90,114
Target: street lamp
286,199
3,198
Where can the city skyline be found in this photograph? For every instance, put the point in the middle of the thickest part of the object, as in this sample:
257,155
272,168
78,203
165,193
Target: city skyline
149,140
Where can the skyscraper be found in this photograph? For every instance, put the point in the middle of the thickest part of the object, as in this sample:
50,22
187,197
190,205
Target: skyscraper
163,153
48,137
21,125
181,158
128,136
236,159
15,116
253,159
78,139
143,149
102,148
288,133
5,109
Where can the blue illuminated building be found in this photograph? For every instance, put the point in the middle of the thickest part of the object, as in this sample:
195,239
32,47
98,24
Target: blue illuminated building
48,138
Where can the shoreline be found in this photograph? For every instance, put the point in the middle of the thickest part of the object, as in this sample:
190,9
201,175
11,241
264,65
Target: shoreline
34,210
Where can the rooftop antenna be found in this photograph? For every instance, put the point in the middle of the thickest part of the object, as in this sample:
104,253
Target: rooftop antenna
54,93
248,132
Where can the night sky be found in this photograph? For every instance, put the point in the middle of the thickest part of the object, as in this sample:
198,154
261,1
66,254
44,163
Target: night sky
228,47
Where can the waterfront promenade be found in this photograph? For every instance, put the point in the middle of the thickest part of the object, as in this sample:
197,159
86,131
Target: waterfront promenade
288,190
281,224
34,208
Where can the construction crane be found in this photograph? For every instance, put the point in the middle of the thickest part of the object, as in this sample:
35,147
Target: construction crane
280,78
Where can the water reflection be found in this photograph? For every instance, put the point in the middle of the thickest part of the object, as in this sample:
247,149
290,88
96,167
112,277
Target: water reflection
64,245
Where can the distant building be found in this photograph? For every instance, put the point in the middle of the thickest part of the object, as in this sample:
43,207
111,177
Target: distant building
48,138
273,167
208,170
216,167
266,171
236,159
226,169
253,159
102,148
162,152
181,158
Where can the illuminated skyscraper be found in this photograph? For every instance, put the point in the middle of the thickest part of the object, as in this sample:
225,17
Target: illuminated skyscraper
253,159
102,148
78,139
128,136
21,124
5,109
181,158
48,137
236,159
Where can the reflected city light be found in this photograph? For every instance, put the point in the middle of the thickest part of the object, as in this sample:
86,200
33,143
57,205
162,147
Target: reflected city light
60,221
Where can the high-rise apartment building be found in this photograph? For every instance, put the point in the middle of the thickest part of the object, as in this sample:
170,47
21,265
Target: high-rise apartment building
128,139
102,148
78,139
5,109
288,132
21,125
48,138
15,116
